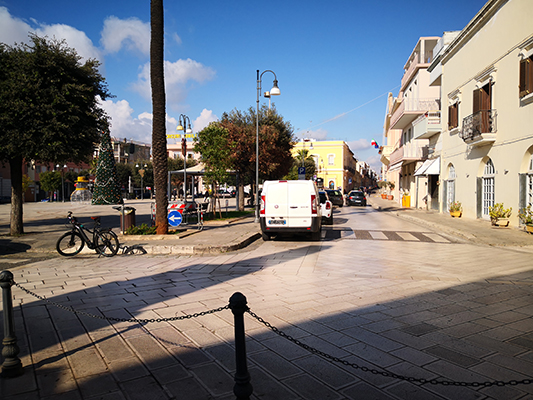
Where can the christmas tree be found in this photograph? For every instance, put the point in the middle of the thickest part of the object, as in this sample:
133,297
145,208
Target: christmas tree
106,188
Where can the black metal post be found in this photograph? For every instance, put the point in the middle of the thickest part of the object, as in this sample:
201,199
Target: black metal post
12,365
243,388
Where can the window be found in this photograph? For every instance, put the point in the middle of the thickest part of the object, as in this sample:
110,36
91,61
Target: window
529,194
482,107
453,116
331,159
526,77
488,188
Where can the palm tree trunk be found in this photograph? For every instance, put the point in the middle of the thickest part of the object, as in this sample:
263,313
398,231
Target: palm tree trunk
159,137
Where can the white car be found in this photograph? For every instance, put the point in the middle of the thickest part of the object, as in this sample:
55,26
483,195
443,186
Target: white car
327,208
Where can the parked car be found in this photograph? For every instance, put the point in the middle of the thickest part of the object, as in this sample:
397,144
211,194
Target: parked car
336,197
327,208
356,198
290,207
223,193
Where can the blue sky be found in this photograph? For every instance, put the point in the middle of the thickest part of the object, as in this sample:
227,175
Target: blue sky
335,61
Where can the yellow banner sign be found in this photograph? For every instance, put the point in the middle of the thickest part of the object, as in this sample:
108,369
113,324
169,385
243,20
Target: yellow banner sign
180,135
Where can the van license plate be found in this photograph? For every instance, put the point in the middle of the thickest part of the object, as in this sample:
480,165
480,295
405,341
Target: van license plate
276,222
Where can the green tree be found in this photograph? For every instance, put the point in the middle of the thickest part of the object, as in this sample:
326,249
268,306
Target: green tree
50,181
159,132
275,144
49,109
214,144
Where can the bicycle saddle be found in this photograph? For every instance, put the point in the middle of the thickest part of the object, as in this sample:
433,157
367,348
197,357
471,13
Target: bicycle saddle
96,219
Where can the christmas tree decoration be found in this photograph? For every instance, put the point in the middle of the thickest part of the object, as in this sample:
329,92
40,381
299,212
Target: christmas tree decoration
106,188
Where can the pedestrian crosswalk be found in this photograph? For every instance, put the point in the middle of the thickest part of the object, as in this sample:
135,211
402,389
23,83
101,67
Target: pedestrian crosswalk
400,236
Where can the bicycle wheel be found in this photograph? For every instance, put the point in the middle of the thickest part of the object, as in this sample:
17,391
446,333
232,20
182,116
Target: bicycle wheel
107,243
70,244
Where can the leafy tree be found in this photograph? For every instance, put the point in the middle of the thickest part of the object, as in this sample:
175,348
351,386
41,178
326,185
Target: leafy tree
50,181
26,182
275,144
124,171
159,133
106,186
214,144
49,109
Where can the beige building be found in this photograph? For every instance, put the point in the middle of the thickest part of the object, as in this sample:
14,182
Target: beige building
410,117
486,79
129,151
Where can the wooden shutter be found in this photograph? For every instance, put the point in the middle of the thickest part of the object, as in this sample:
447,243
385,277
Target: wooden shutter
477,101
522,87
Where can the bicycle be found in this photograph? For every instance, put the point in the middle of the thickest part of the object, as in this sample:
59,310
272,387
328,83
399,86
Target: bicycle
104,241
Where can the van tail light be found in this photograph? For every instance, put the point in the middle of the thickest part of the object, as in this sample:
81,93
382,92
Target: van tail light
262,211
328,205
314,209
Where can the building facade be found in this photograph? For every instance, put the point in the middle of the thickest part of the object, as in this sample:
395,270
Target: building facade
487,91
130,151
335,163
409,118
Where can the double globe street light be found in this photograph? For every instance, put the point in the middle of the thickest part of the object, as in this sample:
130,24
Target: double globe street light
273,92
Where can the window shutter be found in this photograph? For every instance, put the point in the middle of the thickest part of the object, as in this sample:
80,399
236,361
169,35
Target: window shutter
477,101
479,197
522,190
450,117
522,87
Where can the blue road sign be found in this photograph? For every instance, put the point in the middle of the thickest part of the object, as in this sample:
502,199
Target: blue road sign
301,170
174,218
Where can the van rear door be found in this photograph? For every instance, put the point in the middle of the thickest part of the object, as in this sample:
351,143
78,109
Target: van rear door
299,204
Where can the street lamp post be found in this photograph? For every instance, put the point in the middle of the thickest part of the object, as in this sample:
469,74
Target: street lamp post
273,92
62,182
182,126
141,172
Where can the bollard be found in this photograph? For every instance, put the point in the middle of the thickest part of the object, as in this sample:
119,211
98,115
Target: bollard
12,365
243,388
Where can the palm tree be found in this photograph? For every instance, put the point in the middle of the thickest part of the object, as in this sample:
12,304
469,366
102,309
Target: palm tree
159,137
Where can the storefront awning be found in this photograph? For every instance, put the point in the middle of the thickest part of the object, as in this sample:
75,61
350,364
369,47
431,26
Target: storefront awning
395,167
429,167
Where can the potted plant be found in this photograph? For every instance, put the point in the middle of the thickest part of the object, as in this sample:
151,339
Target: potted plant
456,209
391,188
525,215
499,216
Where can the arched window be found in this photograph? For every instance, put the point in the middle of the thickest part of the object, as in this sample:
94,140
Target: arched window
488,187
451,186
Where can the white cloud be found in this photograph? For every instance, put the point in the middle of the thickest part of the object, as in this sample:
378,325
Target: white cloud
203,120
16,30
319,134
361,144
124,125
176,38
130,33
177,75
374,162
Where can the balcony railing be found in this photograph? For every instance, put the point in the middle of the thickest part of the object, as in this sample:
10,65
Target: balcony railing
479,128
414,150
427,125
410,109
417,61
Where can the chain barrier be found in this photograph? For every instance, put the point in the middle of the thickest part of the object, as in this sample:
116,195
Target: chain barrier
289,338
135,320
386,373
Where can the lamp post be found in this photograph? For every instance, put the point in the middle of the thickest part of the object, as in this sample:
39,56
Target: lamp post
62,182
182,126
273,92
141,172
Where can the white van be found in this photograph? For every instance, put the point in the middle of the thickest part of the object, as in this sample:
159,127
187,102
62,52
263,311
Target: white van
290,207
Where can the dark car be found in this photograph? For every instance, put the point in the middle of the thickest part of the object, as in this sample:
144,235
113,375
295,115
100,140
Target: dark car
335,196
356,198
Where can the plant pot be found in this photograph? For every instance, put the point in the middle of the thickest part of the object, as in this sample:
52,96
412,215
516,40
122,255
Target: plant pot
529,228
383,196
501,222
390,197
456,214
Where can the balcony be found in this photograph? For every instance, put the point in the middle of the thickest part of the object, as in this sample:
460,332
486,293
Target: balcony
410,152
385,154
418,61
427,125
410,109
479,129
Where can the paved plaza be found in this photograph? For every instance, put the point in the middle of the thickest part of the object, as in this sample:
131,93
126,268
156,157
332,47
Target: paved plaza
419,304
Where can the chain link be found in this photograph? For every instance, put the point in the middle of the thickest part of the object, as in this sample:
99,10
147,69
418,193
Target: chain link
135,320
385,373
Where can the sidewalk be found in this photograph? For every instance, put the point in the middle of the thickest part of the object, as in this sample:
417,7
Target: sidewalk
44,223
476,231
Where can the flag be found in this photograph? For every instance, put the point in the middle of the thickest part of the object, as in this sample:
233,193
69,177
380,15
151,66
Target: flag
374,143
